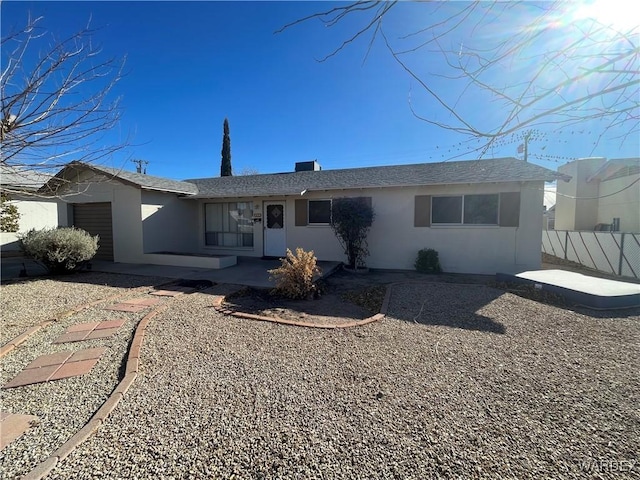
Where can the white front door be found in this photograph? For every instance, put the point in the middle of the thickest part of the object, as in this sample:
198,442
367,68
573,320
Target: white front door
275,239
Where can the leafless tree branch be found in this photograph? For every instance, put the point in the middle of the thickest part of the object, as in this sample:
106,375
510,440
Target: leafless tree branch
56,99
531,64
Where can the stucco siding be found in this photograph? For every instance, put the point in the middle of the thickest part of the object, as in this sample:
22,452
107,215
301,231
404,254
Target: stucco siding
35,213
394,241
620,200
125,209
169,223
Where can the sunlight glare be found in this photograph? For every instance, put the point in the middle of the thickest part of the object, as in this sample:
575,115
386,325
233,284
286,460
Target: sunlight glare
617,14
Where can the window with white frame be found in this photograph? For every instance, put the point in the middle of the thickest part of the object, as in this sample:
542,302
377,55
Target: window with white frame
465,209
229,224
319,212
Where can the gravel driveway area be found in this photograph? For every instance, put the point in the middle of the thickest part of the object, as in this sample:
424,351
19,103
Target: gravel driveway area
459,381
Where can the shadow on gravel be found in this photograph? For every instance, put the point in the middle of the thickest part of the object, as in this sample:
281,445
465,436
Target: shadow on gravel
454,306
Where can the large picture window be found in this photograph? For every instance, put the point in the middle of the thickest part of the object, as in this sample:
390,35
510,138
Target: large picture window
319,212
229,224
465,209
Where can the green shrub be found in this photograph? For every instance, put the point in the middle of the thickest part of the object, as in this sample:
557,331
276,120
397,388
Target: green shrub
428,261
9,215
351,219
294,278
60,250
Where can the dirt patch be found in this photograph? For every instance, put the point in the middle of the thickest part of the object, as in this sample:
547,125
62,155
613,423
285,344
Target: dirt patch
334,304
343,297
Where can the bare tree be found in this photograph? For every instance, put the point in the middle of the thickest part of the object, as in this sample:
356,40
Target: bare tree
56,100
523,64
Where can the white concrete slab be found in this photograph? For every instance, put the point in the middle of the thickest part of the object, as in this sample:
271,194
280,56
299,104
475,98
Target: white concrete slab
582,283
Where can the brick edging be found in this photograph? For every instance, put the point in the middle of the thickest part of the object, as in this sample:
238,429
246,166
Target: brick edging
219,300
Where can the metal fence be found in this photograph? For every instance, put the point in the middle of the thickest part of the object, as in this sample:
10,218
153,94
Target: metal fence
610,252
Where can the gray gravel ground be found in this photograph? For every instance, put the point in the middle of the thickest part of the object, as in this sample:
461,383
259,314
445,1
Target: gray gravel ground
457,382
29,302
63,407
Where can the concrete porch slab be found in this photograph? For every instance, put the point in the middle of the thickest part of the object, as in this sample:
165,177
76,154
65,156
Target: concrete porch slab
249,271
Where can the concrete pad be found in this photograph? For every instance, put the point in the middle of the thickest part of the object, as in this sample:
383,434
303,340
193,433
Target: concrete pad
30,376
87,353
581,289
146,301
110,324
13,425
101,333
127,307
583,283
249,271
82,327
52,359
73,369
69,337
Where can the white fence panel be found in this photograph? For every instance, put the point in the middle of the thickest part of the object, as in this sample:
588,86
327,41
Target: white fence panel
631,258
610,252
553,242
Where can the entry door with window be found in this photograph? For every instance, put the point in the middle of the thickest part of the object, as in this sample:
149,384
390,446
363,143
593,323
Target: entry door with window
275,239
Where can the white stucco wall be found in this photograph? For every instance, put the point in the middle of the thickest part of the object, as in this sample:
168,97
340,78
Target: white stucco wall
576,201
35,213
125,211
394,241
169,223
617,200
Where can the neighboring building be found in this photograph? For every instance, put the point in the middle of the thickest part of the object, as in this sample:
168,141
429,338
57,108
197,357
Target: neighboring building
36,211
482,216
601,195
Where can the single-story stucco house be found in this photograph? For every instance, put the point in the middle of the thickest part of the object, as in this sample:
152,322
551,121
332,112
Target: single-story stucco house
482,216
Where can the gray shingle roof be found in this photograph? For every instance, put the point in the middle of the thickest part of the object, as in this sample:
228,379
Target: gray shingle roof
22,178
443,173
147,182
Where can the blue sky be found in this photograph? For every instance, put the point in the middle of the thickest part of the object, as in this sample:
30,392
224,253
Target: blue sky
191,64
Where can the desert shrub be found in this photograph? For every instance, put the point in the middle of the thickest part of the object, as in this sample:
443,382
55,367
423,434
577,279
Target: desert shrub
428,261
60,250
350,221
294,278
9,215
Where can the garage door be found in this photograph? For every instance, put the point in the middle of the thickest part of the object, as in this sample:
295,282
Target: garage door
95,218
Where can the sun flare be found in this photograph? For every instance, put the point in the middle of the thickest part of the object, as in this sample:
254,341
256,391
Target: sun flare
618,14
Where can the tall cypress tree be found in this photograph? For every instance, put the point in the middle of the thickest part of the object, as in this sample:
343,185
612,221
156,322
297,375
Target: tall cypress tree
225,166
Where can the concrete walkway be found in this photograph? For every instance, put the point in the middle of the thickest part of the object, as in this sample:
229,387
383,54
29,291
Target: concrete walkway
249,271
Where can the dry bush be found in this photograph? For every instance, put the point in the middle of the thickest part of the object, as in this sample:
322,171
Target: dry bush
294,278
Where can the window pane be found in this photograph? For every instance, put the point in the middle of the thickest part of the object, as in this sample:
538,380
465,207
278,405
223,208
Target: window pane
319,211
229,224
481,209
446,210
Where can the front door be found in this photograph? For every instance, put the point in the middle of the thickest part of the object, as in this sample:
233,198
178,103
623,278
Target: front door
275,240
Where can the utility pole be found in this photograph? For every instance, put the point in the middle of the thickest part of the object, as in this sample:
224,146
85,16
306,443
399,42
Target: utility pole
526,145
139,168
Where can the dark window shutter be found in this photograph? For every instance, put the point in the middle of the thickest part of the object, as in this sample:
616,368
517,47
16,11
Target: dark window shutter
510,209
301,213
422,212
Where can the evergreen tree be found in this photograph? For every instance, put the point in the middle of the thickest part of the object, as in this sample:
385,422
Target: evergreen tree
225,166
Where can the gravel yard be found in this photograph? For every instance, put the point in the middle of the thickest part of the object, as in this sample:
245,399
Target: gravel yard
29,302
459,381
